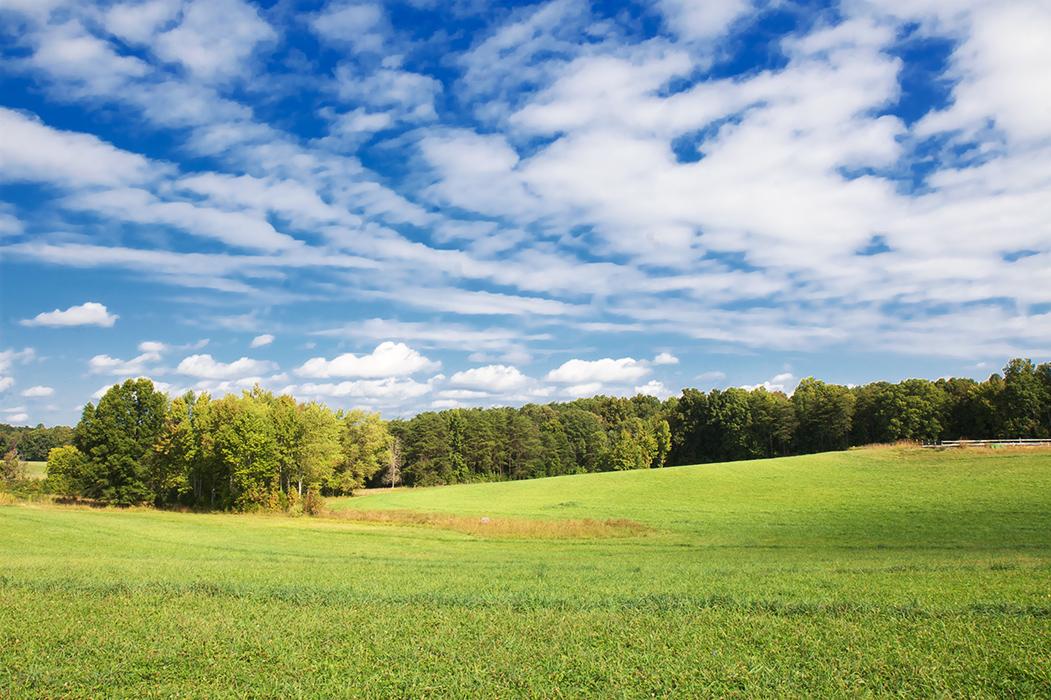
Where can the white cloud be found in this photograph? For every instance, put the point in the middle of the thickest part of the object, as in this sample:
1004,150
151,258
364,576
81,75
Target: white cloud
137,22
236,228
10,357
261,340
389,359
152,346
400,94
711,376
578,391
38,391
139,365
1006,52
215,38
358,24
163,387
31,151
205,367
496,379
90,313
665,358
706,19
654,388
483,303
604,371
6,383
391,390
784,382
18,418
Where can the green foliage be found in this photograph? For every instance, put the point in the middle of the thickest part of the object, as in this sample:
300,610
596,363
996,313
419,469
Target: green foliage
65,470
825,413
117,440
33,444
12,468
252,451
366,445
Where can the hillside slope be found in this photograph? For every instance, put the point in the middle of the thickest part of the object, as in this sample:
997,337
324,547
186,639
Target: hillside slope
865,496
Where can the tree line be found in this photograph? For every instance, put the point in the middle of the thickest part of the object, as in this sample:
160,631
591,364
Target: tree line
33,444
239,452
258,450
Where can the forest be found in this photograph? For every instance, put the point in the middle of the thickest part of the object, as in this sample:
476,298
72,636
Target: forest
261,451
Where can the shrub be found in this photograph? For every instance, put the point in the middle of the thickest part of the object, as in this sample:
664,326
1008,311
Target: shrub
313,503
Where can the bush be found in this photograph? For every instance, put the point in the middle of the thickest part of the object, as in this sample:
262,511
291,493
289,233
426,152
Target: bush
313,503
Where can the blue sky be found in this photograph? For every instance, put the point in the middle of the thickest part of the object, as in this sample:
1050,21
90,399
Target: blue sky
421,204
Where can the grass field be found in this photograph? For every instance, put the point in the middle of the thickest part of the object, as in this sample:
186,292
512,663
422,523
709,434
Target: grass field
882,571
36,470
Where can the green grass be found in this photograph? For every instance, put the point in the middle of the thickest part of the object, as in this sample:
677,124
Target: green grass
36,470
885,572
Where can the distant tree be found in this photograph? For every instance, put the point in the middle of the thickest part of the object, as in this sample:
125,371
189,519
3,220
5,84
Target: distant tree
392,474
117,440
689,423
365,450
662,436
175,452
1022,402
318,449
65,470
12,468
586,437
524,447
825,413
625,453
247,451
772,423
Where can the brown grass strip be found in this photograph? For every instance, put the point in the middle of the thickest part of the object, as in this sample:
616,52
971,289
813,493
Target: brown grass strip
500,527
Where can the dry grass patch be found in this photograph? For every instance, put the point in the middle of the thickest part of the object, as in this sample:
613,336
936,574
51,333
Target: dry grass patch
500,527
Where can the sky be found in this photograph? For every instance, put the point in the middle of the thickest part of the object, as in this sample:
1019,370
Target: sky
423,204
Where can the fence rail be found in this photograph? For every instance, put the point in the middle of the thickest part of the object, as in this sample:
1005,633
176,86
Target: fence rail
1017,442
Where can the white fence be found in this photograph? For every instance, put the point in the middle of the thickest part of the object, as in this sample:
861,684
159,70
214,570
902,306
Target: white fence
1018,442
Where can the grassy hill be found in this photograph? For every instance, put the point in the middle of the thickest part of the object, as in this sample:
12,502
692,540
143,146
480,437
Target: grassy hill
881,571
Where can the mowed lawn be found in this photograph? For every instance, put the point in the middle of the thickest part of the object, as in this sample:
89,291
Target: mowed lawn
881,571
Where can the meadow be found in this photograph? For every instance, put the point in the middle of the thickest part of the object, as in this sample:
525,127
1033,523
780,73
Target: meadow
884,571
36,470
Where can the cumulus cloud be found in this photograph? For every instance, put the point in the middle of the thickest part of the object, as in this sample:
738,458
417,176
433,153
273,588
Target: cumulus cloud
205,367
665,358
654,388
38,391
784,382
152,346
494,379
391,390
389,359
261,340
604,371
89,313
6,383
137,366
